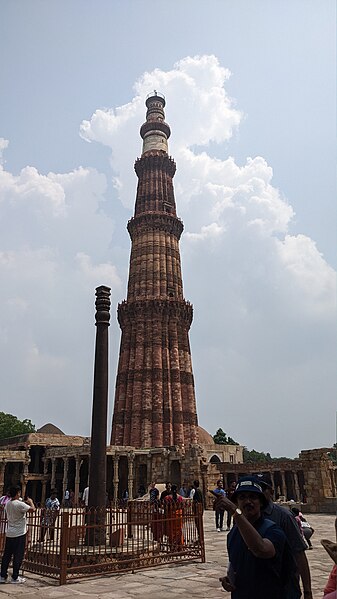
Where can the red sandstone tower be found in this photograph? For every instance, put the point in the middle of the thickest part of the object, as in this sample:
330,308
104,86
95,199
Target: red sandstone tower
154,399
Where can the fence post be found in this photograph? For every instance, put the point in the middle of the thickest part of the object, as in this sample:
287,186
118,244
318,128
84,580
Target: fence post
201,531
64,542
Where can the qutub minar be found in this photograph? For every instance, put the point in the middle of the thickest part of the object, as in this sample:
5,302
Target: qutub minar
155,400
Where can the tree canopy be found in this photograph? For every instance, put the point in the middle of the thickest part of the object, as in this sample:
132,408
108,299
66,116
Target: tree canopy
221,438
10,426
256,456
249,456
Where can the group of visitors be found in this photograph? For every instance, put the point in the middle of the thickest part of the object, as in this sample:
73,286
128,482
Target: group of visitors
266,544
167,512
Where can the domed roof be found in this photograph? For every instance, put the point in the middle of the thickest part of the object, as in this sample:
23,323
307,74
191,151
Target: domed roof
204,437
50,429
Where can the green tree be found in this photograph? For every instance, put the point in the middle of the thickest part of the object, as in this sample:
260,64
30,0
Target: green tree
256,456
251,456
10,426
332,455
221,438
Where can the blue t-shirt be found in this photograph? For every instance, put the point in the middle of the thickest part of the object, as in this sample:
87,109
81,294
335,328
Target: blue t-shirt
256,578
219,491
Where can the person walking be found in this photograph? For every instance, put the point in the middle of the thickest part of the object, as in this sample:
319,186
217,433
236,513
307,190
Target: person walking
198,506
218,507
16,511
229,493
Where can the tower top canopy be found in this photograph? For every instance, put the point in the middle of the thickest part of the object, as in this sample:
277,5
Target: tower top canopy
155,132
153,96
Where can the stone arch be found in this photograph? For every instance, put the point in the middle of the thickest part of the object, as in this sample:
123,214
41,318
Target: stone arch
215,459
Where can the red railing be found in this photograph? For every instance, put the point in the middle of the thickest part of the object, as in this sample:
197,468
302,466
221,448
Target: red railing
77,542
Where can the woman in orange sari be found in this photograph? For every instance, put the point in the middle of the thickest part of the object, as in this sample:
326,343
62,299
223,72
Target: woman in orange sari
174,518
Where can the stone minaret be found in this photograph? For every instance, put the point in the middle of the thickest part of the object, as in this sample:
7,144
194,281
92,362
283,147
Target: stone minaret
155,400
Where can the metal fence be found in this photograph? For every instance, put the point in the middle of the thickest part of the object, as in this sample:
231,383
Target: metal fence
78,542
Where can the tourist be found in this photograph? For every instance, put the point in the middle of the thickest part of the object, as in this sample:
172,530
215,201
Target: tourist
306,530
198,500
141,491
219,510
183,491
154,493
4,499
50,513
285,519
229,494
85,497
174,520
166,491
16,511
331,586
256,546
156,523
3,522
66,498
197,495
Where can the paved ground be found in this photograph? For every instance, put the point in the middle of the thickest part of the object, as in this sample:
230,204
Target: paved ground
169,582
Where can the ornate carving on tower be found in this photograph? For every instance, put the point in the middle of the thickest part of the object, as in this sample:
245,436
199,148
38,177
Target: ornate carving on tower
154,398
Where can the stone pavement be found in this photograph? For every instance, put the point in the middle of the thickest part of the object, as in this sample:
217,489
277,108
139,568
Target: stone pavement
191,578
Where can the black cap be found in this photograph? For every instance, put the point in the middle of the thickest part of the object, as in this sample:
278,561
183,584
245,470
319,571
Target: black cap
250,484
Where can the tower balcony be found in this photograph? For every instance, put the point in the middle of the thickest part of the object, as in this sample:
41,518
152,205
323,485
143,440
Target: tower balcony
151,221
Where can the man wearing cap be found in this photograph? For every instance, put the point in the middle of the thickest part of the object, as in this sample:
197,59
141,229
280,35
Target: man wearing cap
256,546
285,520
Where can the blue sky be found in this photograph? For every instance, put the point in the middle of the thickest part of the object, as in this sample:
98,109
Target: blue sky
260,237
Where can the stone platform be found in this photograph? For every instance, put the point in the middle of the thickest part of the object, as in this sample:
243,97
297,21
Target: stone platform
174,581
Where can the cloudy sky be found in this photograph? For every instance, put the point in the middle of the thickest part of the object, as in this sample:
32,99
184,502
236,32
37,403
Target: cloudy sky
250,92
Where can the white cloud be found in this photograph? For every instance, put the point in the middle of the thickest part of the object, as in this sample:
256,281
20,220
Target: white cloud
3,145
264,333
55,240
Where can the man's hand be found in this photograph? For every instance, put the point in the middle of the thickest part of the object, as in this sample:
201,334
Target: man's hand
30,502
226,584
223,503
